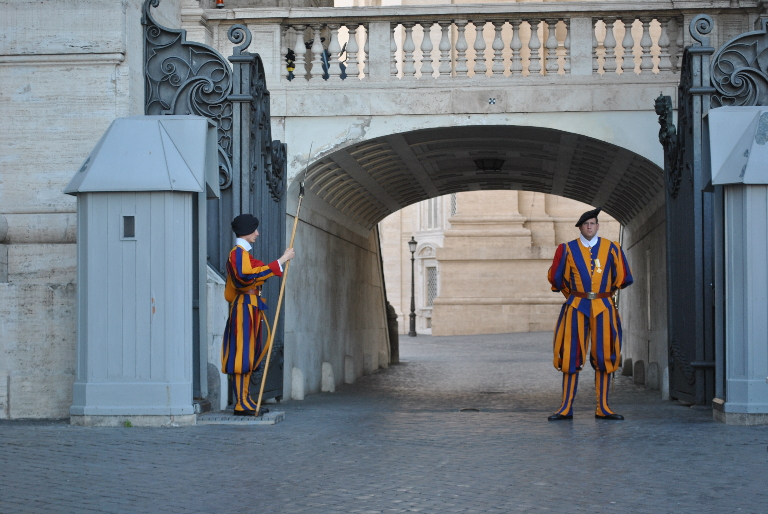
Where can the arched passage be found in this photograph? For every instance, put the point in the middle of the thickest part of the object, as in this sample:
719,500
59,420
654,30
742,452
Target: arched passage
350,189
369,180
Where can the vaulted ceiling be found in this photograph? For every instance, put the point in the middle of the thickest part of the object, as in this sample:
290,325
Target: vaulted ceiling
369,180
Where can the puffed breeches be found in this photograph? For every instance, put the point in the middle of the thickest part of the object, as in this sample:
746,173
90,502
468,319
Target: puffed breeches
575,330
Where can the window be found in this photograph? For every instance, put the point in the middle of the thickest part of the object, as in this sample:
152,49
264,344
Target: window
431,285
129,227
432,212
453,204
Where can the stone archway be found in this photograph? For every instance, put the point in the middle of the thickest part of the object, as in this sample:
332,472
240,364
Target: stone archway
368,180
351,189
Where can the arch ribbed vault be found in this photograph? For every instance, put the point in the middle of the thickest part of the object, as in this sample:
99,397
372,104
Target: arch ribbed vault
369,180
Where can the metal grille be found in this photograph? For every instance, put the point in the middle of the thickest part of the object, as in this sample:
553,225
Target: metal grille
453,204
431,285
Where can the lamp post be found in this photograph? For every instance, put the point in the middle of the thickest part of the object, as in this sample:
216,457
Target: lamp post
412,246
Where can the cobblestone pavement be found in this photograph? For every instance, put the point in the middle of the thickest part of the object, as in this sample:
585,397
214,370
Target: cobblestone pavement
396,441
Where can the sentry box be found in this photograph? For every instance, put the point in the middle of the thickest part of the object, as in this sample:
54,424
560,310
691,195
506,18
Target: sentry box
738,139
141,267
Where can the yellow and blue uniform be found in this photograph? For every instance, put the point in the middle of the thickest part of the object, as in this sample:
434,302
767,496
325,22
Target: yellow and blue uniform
242,348
588,277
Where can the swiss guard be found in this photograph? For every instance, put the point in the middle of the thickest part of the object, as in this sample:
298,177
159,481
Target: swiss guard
242,348
588,271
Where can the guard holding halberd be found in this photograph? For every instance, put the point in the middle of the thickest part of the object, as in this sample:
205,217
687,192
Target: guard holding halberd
588,271
242,350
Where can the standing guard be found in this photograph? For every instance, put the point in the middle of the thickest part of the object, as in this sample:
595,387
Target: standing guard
242,351
588,271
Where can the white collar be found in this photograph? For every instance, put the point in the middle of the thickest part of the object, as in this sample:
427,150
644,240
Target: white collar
588,244
245,245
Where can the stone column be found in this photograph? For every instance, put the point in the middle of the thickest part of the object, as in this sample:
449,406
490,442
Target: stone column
541,225
492,279
488,219
564,213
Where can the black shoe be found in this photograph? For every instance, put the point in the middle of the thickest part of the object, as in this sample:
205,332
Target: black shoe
615,417
262,411
559,417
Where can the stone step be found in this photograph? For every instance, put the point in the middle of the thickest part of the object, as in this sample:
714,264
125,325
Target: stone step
226,418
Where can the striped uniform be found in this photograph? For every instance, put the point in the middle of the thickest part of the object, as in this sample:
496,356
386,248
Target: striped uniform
600,269
242,352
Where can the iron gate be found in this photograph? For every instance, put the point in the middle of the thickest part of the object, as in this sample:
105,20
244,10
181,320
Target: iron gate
184,77
738,76
689,214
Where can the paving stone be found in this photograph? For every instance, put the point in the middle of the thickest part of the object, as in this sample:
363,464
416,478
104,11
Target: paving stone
396,441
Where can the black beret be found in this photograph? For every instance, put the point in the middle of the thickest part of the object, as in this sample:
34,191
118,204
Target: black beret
245,224
588,216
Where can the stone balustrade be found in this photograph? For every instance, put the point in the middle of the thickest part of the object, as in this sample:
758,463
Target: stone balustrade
483,45
516,42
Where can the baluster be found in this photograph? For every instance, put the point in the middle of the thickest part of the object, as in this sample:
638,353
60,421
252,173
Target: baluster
364,62
479,47
353,69
534,45
628,60
426,50
316,72
393,52
498,47
409,67
679,44
516,66
461,49
609,65
445,49
552,66
283,52
595,45
567,46
646,63
299,50
665,64
334,48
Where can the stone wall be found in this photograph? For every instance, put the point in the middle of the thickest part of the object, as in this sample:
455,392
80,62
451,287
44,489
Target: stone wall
643,305
334,308
66,72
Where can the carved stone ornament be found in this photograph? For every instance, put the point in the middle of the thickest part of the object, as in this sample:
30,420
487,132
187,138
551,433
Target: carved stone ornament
184,77
740,70
427,251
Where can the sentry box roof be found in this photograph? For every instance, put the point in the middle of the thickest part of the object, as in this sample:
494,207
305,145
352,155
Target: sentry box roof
152,153
738,139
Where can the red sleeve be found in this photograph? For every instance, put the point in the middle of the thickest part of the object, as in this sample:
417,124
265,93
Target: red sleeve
273,266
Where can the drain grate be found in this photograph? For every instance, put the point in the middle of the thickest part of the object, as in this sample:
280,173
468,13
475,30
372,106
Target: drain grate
469,409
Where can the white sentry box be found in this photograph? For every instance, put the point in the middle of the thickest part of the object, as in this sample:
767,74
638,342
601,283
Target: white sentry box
135,197
739,153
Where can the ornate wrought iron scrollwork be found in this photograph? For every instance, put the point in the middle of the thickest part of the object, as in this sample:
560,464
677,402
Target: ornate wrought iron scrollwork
740,70
668,139
265,153
184,77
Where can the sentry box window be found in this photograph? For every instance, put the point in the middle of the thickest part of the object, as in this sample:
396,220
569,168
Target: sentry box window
129,227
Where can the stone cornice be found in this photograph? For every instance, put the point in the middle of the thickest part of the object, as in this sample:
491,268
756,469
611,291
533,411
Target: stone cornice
463,11
63,59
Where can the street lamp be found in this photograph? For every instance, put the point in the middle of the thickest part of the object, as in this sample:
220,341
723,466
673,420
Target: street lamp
412,246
